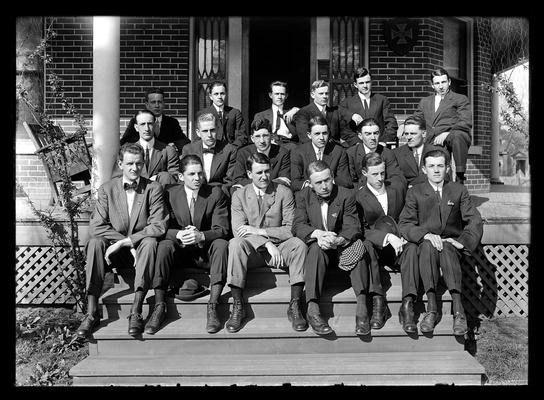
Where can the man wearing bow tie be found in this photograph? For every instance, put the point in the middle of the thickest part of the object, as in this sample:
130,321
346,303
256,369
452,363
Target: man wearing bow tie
326,220
218,157
262,216
441,219
229,122
283,132
129,217
449,120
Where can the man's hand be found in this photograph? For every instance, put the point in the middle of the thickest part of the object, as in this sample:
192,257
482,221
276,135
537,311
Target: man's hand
276,260
357,119
246,230
339,241
237,186
283,180
174,146
190,236
435,240
454,242
133,252
325,239
153,178
114,248
439,140
305,183
288,116
396,243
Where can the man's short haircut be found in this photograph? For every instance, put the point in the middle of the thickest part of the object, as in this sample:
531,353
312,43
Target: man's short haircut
153,91
260,123
439,72
316,166
204,117
216,83
360,72
367,122
132,148
187,160
317,120
370,160
318,84
437,152
258,158
416,120
278,83
139,112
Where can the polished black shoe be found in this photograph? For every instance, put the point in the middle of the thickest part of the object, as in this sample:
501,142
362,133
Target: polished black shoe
236,317
428,322
407,317
135,324
380,312
157,318
362,325
87,325
459,324
213,324
294,314
318,324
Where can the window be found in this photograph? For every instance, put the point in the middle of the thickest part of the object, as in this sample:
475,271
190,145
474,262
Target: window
457,51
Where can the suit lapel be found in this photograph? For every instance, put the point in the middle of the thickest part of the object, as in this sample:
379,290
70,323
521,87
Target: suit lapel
137,205
200,206
391,202
252,211
333,210
181,208
372,203
314,211
268,199
216,159
445,209
122,202
156,158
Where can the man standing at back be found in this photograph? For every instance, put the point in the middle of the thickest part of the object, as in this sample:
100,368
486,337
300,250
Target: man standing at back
449,120
367,104
166,129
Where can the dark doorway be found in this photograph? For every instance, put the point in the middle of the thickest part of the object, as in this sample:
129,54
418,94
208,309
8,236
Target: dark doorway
279,49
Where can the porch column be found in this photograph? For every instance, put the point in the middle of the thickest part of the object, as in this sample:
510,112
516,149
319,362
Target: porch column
495,133
106,125
234,78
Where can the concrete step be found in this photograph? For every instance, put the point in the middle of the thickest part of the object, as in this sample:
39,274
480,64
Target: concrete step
267,336
400,368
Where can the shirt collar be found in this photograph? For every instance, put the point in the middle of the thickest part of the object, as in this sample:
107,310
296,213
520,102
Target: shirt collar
158,118
316,149
204,146
320,108
149,144
367,150
275,109
363,97
374,191
258,191
125,180
218,108
435,187
267,152
190,192
419,149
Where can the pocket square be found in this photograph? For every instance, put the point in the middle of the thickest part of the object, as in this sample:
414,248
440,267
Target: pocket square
450,203
334,215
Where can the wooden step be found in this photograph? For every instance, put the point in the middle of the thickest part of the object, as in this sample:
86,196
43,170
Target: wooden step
267,335
399,368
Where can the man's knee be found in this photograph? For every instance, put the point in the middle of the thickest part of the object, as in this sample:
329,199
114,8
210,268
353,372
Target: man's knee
426,247
95,242
219,245
237,243
166,246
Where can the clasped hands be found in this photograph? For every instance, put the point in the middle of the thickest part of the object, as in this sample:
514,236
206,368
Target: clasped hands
189,235
437,241
327,240
115,247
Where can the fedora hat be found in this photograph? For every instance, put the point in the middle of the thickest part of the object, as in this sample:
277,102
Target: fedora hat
387,224
191,290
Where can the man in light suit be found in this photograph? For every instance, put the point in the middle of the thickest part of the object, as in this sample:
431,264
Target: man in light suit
369,132
367,104
229,122
319,148
326,220
449,120
441,219
339,132
166,129
283,132
262,217
128,219
198,231
280,163
218,157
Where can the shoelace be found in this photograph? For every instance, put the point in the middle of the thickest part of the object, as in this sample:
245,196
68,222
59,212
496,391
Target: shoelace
295,310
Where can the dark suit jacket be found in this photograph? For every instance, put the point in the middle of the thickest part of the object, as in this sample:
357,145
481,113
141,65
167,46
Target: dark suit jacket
232,129
336,129
342,215
223,162
170,132
211,212
453,114
280,163
408,165
454,217
370,210
110,218
268,114
379,109
333,154
393,174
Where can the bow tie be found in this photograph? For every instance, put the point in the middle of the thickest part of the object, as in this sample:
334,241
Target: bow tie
132,185
324,200
210,150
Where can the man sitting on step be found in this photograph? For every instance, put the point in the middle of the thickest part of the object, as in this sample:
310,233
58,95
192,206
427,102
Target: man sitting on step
262,217
129,217
326,220
441,219
197,232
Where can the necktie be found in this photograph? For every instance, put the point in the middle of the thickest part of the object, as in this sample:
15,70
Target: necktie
278,121
210,150
221,116
147,158
438,195
260,201
128,186
319,154
156,128
416,157
365,104
192,208
324,111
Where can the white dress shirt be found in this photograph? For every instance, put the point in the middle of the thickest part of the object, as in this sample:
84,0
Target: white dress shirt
324,211
320,108
316,150
382,199
207,159
282,130
437,187
190,194
131,193
437,100
147,144
419,150
363,99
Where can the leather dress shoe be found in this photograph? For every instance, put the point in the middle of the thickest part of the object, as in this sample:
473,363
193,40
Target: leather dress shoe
362,325
135,324
459,324
294,314
428,322
87,325
212,319
380,312
157,318
236,317
318,324
406,316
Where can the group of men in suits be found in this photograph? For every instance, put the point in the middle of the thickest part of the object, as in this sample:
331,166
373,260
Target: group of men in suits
307,189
